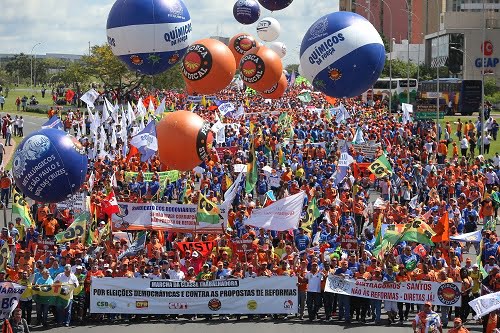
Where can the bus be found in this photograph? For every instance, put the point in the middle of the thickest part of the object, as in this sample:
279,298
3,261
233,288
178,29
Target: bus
465,95
399,90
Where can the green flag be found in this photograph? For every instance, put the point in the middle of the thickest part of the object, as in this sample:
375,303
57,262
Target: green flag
380,167
305,97
207,211
21,207
312,214
76,229
252,173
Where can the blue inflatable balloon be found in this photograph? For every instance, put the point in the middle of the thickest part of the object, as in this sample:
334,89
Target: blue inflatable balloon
342,54
273,5
246,11
49,165
149,36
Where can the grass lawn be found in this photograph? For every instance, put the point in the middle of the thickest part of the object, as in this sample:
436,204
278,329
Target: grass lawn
494,146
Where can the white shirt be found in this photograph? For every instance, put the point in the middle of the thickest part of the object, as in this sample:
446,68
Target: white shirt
464,143
174,275
71,279
314,281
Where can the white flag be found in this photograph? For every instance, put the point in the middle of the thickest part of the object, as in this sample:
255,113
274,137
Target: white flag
141,109
114,183
105,112
282,215
161,107
217,126
407,109
91,181
221,135
130,113
89,97
413,202
113,138
151,107
225,108
485,304
231,192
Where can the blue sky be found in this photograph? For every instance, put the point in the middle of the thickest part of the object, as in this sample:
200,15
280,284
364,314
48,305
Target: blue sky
66,26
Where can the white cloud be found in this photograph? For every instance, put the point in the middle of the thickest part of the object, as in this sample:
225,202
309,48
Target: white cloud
67,26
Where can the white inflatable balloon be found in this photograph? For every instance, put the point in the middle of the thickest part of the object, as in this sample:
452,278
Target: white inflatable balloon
279,48
268,29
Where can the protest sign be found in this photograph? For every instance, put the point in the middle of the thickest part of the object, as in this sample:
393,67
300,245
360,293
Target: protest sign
171,175
9,298
417,292
204,248
261,295
77,202
160,216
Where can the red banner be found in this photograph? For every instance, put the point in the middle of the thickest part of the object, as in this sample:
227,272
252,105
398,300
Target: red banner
348,243
242,246
203,248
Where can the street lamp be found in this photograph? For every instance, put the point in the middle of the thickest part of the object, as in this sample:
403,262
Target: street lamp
31,75
390,56
482,81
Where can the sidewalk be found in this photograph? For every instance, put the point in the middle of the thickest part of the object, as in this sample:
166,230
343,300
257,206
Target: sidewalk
9,151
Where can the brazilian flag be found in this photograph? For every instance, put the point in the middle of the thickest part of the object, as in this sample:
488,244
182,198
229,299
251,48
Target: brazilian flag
207,212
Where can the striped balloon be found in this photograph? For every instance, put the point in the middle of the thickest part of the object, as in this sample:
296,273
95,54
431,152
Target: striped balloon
149,36
342,54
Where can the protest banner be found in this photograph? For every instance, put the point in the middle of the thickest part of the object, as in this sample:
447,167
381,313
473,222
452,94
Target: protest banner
220,151
9,298
348,243
77,203
45,246
204,248
56,294
261,295
171,175
417,292
243,247
485,304
160,216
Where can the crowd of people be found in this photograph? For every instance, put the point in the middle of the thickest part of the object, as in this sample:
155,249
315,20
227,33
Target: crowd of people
303,156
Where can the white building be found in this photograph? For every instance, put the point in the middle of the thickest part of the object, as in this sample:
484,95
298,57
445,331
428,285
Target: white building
401,51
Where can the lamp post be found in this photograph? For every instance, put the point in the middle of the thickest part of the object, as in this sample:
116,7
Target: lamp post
437,74
390,55
482,80
408,7
31,53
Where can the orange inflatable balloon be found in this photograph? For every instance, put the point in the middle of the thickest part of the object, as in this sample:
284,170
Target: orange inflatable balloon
261,68
184,140
277,90
208,66
240,44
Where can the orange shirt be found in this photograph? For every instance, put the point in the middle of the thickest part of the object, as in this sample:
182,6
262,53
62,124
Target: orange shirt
50,226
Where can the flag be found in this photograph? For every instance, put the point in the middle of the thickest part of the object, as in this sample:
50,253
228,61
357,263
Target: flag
89,97
281,157
359,136
146,141
141,109
380,167
75,230
252,173
228,180
312,214
282,215
57,294
292,79
4,255
207,211
161,108
413,202
21,207
407,109
203,101
105,232
473,237
442,229
92,233
231,192
53,122
110,204
138,245
417,231
305,96
270,198
479,261
342,114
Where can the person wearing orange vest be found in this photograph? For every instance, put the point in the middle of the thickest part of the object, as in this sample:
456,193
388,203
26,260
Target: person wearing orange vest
442,151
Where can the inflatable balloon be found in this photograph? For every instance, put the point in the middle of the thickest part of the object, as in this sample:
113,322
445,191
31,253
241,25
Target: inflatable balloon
240,44
246,11
279,48
277,90
342,54
260,68
183,140
49,165
208,66
268,29
149,36
273,5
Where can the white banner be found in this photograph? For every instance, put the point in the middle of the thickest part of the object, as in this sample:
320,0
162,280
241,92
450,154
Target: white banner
261,295
417,292
225,108
160,216
89,97
9,298
77,202
485,304
282,215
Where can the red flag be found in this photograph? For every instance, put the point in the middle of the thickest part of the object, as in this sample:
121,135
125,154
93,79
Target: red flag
110,204
69,95
356,171
442,229
132,152
420,251
203,248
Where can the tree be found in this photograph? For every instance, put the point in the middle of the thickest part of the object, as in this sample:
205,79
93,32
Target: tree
104,65
73,74
171,79
19,66
490,87
399,69
292,67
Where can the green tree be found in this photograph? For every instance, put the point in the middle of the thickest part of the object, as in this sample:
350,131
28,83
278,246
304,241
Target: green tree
171,79
490,87
19,66
292,67
399,69
73,74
